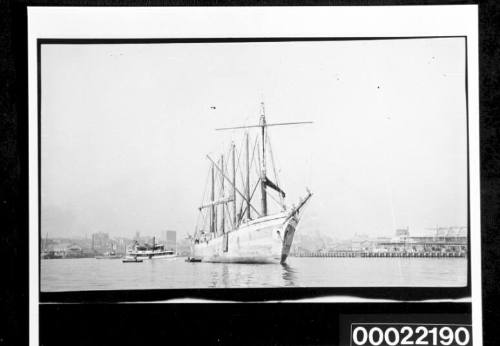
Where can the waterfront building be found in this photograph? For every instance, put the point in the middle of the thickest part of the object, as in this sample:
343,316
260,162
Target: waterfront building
169,238
439,239
100,242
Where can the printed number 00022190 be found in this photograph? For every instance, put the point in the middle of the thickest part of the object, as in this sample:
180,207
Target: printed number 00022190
401,334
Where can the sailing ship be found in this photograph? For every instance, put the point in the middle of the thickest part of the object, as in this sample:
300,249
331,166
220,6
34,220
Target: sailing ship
231,228
150,251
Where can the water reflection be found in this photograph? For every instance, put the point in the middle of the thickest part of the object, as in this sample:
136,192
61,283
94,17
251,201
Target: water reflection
90,274
250,275
214,277
289,274
225,275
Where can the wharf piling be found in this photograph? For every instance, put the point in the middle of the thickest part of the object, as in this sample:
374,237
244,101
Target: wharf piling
348,253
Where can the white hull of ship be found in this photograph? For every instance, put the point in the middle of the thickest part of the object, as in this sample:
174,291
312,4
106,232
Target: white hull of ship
263,240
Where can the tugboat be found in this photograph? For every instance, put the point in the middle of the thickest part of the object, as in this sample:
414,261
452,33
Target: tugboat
149,252
232,228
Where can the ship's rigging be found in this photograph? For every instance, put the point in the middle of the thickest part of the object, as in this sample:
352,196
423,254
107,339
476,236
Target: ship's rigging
231,195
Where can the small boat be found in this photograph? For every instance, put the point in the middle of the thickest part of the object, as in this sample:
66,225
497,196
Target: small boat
192,259
131,260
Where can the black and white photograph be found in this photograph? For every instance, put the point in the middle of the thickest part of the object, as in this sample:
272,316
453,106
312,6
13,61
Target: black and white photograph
181,158
253,164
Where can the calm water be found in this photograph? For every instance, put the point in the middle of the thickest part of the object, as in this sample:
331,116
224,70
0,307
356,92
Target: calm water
105,274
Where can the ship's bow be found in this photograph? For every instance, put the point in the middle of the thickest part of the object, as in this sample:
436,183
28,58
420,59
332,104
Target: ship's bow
289,232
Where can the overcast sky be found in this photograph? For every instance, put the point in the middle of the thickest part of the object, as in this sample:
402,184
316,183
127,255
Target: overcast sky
125,131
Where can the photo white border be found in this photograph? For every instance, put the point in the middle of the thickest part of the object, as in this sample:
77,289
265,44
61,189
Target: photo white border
241,22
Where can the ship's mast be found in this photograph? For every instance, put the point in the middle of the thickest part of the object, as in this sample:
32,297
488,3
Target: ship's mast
212,197
234,185
264,181
263,165
247,189
222,194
